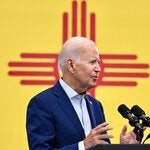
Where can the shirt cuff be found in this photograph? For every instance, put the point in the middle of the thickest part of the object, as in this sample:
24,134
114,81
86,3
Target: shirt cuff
81,145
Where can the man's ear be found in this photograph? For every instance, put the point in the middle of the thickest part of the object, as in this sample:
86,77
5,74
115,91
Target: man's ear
70,65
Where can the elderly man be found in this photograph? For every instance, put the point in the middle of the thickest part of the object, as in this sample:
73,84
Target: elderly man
64,116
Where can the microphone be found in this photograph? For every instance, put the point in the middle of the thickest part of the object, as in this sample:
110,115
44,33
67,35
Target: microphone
126,113
137,111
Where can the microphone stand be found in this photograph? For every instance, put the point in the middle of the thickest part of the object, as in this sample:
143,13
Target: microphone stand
139,135
148,136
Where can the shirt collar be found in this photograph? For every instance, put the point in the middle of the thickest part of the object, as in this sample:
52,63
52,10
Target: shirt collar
69,91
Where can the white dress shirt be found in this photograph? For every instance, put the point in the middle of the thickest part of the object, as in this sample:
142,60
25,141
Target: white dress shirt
79,104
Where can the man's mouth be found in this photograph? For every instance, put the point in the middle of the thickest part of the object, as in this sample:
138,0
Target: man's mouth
95,77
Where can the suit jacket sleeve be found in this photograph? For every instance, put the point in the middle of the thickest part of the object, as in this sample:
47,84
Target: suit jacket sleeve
41,128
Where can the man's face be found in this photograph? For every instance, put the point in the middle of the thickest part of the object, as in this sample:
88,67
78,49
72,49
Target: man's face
87,68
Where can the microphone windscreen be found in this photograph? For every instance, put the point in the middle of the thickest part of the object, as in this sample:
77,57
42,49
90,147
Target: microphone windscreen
137,111
124,110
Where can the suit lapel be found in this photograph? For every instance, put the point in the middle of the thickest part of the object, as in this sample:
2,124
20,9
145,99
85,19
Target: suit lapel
67,107
91,111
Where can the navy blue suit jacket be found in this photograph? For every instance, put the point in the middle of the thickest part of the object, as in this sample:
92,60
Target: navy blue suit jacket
52,122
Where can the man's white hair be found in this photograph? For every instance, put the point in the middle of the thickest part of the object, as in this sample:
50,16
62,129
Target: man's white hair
71,49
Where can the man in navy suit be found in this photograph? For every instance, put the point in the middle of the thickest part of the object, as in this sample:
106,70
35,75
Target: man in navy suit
65,117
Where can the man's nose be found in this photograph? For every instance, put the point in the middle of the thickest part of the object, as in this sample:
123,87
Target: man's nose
97,67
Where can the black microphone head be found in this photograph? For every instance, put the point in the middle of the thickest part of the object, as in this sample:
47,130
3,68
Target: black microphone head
137,111
124,110
126,113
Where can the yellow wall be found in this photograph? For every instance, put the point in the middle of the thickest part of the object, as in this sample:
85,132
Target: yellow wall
35,26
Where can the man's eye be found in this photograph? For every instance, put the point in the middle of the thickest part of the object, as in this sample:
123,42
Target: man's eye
93,62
